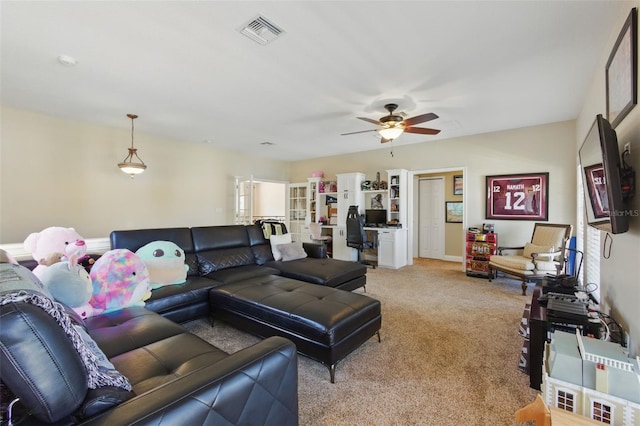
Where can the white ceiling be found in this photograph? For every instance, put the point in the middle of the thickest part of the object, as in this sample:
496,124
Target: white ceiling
186,70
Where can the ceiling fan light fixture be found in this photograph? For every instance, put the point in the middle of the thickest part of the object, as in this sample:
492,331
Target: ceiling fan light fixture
392,119
392,126
132,163
391,132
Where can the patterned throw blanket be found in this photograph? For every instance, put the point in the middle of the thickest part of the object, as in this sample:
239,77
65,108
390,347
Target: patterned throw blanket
98,375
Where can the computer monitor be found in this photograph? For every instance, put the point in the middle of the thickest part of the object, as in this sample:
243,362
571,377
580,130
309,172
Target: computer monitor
375,217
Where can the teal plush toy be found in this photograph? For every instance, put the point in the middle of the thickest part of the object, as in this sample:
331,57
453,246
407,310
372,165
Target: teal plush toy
69,283
165,262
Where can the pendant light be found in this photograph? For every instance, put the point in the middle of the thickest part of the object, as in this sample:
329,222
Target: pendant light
128,165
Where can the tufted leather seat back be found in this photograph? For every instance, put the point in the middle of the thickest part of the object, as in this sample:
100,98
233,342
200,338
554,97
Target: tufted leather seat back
39,363
260,246
222,247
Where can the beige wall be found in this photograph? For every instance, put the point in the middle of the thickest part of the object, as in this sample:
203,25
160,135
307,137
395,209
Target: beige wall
58,172
547,148
269,199
619,273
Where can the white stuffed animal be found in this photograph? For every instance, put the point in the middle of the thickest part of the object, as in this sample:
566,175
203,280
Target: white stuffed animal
55,239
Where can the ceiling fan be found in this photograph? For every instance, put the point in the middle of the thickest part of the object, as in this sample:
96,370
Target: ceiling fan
392,126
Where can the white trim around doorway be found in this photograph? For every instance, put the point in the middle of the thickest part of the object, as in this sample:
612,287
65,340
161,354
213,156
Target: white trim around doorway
413,176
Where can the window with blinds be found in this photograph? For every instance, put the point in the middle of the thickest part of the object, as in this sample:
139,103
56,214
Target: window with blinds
588,238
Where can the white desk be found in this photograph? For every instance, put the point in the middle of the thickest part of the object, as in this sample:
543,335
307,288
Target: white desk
391,245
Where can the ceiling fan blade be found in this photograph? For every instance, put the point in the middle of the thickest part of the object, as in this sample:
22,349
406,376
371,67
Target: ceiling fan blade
369,120
361,131
422,131
420,119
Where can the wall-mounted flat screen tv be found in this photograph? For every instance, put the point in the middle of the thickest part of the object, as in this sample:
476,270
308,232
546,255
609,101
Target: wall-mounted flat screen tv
601,170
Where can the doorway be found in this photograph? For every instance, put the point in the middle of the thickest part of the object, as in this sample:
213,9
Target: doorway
260,199
431,218
453,236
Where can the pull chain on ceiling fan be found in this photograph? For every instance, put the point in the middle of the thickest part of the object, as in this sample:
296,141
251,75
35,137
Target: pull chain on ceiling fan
392,126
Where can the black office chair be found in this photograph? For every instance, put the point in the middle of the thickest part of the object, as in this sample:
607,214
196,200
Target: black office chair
356,235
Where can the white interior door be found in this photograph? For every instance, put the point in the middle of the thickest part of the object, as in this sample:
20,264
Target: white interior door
244,200
431,218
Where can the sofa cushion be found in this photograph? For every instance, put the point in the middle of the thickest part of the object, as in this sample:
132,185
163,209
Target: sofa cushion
122,331
292,251
168,298
239,273
327,271
149,349
152,365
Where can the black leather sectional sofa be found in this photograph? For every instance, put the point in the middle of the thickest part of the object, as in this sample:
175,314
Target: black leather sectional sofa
219,255
234,277
176,377
298,306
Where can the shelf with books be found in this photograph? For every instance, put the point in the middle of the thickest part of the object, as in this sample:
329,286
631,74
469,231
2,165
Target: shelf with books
397,212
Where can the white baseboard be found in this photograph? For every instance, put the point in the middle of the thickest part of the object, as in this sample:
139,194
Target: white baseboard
452,258
94,246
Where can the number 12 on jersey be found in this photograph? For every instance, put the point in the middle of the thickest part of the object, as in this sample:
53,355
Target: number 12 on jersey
522,196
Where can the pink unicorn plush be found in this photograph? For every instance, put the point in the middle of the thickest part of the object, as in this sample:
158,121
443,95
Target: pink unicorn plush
120,279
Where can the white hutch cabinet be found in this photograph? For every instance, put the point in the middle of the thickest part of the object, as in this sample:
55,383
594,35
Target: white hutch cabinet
349,194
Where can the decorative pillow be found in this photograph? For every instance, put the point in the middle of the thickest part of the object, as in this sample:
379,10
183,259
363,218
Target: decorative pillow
270,228
17,277
278,240
533,248
292,251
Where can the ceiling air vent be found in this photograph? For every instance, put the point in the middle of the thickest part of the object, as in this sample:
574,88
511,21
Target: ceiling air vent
261,30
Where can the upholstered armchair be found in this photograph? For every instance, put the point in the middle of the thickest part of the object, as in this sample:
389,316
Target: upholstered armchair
544,255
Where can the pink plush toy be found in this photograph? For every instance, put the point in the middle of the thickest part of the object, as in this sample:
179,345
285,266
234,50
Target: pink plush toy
55,239
120,279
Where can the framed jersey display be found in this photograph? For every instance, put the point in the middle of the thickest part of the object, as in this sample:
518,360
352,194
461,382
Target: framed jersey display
518,197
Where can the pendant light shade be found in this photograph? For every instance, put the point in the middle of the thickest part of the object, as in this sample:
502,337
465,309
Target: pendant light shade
132,164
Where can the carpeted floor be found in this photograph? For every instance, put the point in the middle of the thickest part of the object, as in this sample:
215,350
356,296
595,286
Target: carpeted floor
449,354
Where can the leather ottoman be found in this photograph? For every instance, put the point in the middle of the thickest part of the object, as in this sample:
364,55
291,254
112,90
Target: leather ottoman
327,271
325,323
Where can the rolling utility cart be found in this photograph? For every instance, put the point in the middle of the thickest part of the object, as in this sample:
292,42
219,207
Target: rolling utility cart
480,247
